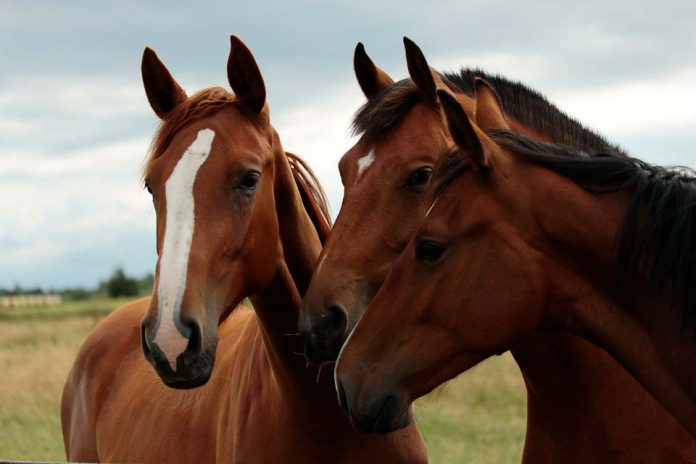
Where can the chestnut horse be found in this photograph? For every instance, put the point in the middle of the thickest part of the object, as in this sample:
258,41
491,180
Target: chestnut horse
574,405
236,217
532,236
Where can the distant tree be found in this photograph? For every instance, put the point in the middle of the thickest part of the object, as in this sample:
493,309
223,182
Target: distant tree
145,284
77,294
119,284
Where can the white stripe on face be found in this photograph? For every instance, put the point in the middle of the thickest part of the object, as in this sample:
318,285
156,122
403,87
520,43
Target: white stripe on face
365,162
178,235
338,395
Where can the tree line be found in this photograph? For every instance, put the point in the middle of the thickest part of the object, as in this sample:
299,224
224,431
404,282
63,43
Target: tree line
118,284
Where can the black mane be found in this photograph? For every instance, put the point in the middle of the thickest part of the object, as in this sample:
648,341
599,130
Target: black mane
382,114
658,239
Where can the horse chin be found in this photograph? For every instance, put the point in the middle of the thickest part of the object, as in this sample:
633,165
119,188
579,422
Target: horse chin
397,418
187,384
190,373
390,414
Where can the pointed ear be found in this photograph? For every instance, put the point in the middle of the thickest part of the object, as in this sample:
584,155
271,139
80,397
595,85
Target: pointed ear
371,78
469,138
489,110
244,76
161,89
425,79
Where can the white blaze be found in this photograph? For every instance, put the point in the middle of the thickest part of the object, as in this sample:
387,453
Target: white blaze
178,234
365,162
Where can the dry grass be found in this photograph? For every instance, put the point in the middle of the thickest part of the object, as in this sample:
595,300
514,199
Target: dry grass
35,357
479,417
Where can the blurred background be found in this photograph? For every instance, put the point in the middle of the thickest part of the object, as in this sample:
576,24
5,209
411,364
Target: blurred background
77,229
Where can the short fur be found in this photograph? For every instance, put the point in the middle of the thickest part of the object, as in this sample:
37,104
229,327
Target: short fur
658,240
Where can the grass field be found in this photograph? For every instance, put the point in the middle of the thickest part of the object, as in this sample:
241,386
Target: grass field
479,417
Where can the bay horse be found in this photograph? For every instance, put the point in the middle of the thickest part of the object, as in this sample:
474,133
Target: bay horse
581,404
237,216
529,236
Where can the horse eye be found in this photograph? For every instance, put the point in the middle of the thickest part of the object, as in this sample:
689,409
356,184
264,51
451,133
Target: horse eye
429,250
419,177
250,181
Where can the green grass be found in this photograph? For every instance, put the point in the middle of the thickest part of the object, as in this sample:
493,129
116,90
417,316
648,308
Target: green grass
479,417
92,306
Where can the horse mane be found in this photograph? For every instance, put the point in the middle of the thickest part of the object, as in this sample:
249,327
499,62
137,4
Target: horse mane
312,194
212,99
383,113
658,237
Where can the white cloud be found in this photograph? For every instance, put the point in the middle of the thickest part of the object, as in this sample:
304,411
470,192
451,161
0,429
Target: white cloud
636,107
86,97
319,132
525,67
73,140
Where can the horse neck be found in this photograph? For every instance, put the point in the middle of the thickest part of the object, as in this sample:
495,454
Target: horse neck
278,304
580,239
572,400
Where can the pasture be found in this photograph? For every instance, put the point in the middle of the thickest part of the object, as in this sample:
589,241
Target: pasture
479,417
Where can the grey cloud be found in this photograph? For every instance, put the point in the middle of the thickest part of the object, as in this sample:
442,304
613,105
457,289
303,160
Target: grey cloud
305,51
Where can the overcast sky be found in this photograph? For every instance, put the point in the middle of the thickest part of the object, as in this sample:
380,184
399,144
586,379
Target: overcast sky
75,123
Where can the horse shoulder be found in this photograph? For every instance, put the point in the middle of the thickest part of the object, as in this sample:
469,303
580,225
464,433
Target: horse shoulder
88,382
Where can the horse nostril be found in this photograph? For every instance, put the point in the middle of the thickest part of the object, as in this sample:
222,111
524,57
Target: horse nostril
143,341
336,321
195,336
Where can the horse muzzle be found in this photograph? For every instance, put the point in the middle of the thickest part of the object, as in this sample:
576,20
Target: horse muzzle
193,366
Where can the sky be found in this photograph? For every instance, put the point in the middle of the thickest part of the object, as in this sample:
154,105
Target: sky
75,123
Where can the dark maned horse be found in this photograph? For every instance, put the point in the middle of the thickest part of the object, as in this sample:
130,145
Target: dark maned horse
236,217
581,404
533,236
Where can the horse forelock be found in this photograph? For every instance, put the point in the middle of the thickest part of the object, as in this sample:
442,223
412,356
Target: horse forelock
199,105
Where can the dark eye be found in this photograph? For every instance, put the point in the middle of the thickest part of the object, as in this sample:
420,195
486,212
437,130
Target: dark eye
429,250
419,177
250,181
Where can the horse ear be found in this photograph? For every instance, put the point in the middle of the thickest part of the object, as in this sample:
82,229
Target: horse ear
161,89
371,78
244,76
419,70
489,111
465,134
